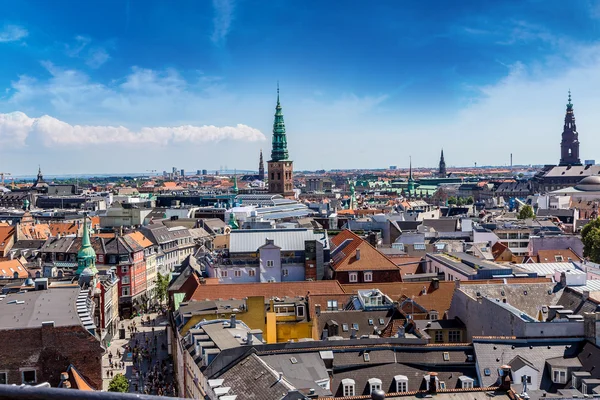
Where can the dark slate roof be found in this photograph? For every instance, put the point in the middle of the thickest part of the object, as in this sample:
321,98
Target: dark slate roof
573,300
555,212
302,372
414,372
351,317
28,244
509,187
442,224
519,362
492,354
408,225
252,377
589,357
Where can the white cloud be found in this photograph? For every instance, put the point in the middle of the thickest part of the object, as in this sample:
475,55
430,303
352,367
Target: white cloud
16,127
94,57
222,20
12,33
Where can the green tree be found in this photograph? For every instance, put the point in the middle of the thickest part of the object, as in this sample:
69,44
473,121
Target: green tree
162,286
470,200
118,384
460,201
452,200
526,212
590,236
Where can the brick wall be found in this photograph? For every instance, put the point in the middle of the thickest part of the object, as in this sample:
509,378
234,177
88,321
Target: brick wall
49,351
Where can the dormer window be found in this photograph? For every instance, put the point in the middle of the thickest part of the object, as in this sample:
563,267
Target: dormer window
401,383
353,276
368,276
559,375
433,315
348,386
466,382
374,384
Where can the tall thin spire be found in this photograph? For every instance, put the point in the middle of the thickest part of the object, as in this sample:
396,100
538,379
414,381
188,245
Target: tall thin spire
279,152
86,256
410,168
411,181
569,145
235,186
261,167
442,166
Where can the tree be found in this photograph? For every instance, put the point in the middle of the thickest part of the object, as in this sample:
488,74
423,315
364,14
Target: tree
590,236
118,384
162,286
470,200
460,201
526,212
451,200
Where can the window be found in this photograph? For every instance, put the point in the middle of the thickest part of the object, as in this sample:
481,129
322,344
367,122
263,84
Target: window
125,280
559,375
573,381
366,357
446,356
368,276
355,326
270,263
29,376
439,336
251,272
433,315
526,378
487,372
419,246
353,276
348,385
584,388
285,272
454,336
442,385
237,273
125,291
401,386
300,311
3,378
370,321
332,305
374,384
467,383
558,258
224,273
345,327
381,321
124,269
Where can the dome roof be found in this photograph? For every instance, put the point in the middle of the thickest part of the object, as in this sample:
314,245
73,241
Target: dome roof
86,252
589,184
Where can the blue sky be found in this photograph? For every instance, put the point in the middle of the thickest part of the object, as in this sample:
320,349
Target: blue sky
129,86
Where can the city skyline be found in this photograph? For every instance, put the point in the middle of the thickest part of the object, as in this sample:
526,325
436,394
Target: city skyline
195,85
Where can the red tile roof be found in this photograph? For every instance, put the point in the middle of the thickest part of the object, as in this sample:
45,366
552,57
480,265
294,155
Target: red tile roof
8,269
549,256
423,293
268,290
346,258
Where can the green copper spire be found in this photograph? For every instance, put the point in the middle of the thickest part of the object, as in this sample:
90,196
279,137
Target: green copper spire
86,256
235,186
569,104
279,151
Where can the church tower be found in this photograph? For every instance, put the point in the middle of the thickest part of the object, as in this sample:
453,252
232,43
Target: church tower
411,181
261,167
86,256
442,171
569,145
281,170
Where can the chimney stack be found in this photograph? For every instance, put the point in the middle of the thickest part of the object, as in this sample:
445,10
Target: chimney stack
457,283
433,382
505,377
233,321
353,334
357,254
585,295
249,338
317,309
435,283
325,334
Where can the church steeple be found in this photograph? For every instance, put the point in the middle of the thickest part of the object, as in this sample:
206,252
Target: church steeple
411,181
235,186
261,167
442,170
86,256
569,145
279,152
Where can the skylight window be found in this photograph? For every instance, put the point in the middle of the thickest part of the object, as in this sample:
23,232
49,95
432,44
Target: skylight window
446,356
366,357
381,321
355,326
487,372
370,321
294,360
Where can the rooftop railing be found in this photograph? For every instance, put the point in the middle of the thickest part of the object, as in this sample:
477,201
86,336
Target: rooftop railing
44,393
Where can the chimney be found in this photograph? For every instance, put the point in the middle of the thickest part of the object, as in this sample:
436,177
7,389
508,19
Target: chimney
249,338
433,382
357,254
233,321
435,283
353,334
457,284
505,377
317,309
585,295
325,334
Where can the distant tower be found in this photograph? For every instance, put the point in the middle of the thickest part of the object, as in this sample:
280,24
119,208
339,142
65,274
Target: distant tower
261,167
569,145
411,181
442,172
281,170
